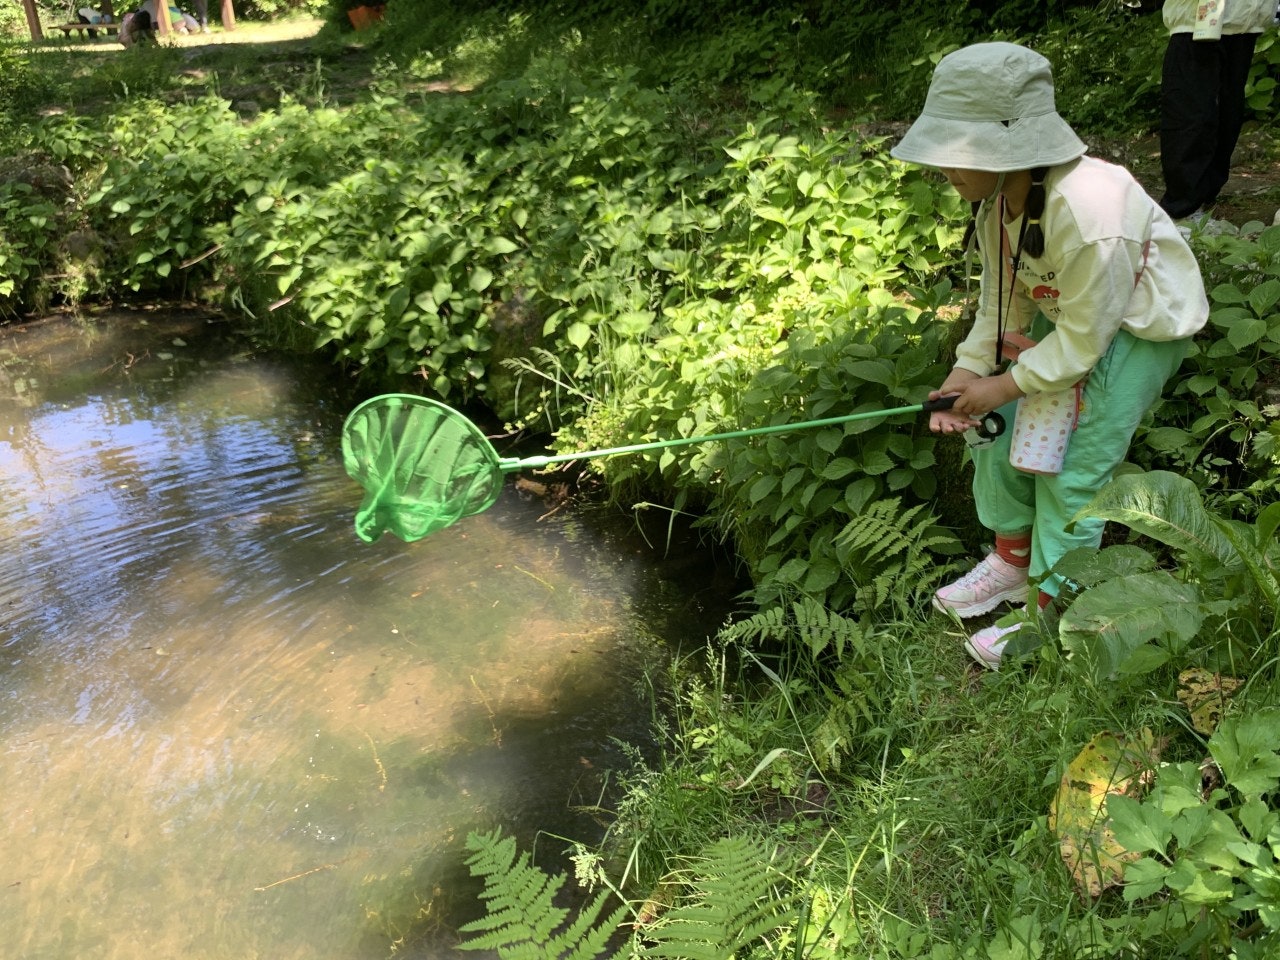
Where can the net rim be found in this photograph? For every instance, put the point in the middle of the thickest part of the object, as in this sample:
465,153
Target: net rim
413,399
411,516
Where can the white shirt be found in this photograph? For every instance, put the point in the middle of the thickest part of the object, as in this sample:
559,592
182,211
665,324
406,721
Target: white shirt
1238,16
1113,260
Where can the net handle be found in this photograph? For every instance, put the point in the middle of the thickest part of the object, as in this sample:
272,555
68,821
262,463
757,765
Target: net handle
511,464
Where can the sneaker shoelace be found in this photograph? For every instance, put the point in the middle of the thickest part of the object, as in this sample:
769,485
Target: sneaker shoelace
978,573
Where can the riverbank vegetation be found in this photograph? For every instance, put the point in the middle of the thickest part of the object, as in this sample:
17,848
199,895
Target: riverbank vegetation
614,222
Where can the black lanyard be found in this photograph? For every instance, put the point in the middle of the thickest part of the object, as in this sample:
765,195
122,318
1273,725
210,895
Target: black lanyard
1002,319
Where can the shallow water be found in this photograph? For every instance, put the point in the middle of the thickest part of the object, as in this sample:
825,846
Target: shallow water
229,728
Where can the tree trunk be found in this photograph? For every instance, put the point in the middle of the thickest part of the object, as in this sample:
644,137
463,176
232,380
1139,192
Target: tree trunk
33,19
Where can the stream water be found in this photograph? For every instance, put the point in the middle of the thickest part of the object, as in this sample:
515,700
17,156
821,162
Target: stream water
229,729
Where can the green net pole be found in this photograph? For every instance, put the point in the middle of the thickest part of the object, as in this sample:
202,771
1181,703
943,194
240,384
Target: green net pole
508,465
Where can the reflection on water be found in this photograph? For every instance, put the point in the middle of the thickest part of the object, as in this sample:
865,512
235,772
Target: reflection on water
228,728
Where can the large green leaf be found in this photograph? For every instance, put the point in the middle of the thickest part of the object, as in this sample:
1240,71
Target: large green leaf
1264,297
1267,522
1244,747
1106,626
1165,507
873,371
1085,566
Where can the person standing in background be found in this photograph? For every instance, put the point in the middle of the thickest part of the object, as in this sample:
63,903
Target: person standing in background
1202,102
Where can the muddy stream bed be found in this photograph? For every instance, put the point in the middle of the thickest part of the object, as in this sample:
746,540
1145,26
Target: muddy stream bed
231,729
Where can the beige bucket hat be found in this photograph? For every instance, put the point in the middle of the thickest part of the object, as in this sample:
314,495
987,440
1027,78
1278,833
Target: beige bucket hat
990,107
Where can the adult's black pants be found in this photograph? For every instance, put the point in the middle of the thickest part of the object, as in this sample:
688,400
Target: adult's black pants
1202,111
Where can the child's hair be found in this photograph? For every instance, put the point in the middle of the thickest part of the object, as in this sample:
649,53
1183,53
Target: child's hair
1033,240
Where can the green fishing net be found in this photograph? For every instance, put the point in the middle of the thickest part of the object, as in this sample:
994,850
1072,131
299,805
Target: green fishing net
422,465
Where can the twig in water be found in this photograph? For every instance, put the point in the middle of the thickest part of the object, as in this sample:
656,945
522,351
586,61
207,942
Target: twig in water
534,576
304,873
497,736
382,771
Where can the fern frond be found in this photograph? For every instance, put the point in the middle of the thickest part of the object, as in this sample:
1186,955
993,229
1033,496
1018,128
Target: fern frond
521,918
766,626
876,533
806,621
820,628
886,547
737,897
585,938
854,703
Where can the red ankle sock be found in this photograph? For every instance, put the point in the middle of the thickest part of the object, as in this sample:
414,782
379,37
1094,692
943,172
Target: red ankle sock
1015,549
1043,600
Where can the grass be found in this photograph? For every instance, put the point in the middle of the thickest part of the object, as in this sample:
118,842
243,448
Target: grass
932,830
301,58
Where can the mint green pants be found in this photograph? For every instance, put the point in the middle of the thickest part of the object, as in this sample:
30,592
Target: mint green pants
1127,380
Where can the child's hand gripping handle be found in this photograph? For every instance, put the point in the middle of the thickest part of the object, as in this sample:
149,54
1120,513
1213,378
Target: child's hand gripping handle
942,403
989,426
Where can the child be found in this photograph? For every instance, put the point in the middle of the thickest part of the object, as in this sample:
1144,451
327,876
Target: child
1075,256
179,22
136,27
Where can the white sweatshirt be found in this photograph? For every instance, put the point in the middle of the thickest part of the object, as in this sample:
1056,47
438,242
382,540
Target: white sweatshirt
1238,16
1113,260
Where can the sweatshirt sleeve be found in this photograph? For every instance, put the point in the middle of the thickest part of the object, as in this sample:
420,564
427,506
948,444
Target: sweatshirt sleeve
1096,281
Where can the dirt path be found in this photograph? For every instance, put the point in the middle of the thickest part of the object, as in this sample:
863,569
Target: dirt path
1252,192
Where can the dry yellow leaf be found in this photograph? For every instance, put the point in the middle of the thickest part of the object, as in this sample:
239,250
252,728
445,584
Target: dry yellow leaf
1107,765
1205,695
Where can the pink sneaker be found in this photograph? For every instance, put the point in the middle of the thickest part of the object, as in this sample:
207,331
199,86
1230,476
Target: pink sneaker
987,645
991,583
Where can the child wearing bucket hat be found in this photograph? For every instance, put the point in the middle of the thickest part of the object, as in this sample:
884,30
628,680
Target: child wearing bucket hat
1082,270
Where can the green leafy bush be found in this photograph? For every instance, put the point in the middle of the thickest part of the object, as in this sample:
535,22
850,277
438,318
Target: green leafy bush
1209,838
793,503
162,186
24,218
277,9
1106,66
1260,91
1221,605
786,318
12,23
1220,423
